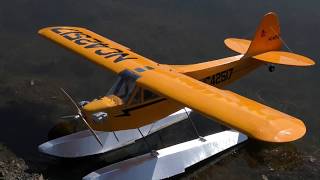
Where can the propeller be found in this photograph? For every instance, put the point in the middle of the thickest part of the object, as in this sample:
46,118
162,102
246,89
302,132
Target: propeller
80,115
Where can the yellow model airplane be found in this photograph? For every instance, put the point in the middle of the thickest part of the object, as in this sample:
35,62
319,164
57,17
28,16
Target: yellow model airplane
147,91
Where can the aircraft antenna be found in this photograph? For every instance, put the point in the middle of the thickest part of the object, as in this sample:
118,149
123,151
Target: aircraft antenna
282,40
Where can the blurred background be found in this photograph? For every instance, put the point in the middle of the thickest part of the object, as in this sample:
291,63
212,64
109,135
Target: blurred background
33,69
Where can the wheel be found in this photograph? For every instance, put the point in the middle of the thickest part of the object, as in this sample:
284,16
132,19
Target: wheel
271,68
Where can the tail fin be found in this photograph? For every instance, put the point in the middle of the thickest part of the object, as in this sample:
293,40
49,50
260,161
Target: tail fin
267,36
266,44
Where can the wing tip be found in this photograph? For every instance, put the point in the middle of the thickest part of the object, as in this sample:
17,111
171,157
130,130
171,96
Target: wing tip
291,133
285,58
238,45
42,30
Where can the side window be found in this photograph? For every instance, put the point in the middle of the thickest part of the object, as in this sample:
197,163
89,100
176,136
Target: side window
148,95
123,88
137,97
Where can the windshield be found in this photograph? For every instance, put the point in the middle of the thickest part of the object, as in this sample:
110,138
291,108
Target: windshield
123,87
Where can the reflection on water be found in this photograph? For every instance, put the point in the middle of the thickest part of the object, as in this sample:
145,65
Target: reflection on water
266,161
64,128
172,32
275,157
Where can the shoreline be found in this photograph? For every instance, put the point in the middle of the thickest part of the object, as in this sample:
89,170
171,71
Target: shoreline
13,167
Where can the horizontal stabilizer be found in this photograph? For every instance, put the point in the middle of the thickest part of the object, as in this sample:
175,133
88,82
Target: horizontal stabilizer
238,45
284,58
276,57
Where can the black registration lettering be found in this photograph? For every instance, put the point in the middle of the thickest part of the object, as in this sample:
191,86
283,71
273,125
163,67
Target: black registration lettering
83,41
88,42
219,77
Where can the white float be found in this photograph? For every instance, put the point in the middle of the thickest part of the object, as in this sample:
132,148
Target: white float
82,143
169,161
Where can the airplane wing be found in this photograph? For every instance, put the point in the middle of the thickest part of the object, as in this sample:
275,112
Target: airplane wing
96,48
245,115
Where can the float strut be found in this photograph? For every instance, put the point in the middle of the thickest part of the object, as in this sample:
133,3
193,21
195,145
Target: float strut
153,152
115,136
194,127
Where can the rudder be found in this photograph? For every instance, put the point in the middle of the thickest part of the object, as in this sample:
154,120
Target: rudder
267,36
266,44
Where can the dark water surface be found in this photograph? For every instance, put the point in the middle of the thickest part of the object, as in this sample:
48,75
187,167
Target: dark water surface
168,31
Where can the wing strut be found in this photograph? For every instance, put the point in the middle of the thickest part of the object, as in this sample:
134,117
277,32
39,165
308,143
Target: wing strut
194,126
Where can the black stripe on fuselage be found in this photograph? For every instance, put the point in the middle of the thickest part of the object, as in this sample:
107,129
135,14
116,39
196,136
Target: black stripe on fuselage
126,112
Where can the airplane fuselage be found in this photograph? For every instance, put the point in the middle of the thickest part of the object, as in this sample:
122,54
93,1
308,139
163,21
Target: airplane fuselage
218,73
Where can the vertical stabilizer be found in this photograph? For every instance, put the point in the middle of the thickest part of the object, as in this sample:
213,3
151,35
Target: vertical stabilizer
267,36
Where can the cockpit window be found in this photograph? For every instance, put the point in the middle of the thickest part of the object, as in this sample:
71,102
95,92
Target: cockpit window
136,96
148,95
126,89
123,88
